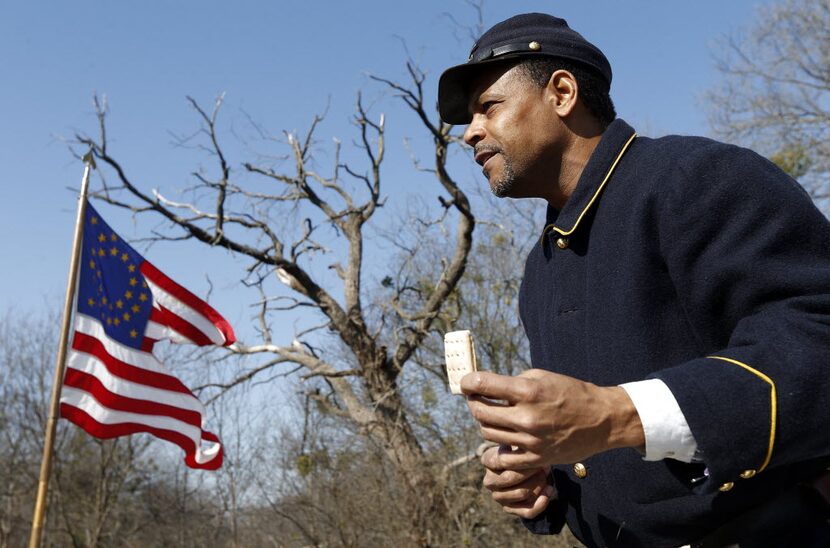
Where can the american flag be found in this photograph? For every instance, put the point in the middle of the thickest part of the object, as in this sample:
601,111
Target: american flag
114,385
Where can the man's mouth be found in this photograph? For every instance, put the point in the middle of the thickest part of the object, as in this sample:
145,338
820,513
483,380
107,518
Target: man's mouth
484,155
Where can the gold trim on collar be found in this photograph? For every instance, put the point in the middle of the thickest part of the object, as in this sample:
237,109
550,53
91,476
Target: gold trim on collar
594,197
773,404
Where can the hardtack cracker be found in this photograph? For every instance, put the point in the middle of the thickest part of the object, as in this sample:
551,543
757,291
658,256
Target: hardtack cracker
460,356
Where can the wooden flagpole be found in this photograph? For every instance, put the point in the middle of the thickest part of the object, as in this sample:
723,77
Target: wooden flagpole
60,365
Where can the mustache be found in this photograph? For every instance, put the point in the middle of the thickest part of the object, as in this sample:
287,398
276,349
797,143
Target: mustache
486,148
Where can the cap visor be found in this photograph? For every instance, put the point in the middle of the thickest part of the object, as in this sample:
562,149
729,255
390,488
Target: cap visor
453,89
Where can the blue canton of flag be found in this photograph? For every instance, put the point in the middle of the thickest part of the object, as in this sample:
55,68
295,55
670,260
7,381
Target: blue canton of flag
111,287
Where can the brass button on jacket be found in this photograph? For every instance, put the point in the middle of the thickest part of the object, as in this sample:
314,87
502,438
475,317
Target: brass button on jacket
746,474
562,243
580,470
726,486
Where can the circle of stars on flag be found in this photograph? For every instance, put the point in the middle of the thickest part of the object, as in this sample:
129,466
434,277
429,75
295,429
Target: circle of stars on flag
119,304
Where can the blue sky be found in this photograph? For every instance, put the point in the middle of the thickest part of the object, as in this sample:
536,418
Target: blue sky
280,62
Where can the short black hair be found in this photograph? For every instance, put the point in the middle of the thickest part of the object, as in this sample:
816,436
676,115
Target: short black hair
593,88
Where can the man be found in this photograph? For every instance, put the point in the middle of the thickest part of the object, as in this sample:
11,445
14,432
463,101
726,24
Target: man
677,308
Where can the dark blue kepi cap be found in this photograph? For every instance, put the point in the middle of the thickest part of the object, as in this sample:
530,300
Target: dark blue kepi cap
526,35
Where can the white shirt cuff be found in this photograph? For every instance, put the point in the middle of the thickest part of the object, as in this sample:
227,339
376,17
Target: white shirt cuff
667,433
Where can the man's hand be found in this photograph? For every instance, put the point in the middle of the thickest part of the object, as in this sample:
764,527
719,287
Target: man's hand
525,493
550,418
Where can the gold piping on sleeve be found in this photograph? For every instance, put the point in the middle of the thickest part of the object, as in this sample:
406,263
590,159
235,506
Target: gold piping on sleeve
773,404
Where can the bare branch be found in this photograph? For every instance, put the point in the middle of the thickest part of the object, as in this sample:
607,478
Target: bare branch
776,87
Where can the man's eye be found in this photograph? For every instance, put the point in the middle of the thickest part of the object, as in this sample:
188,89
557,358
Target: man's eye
485,107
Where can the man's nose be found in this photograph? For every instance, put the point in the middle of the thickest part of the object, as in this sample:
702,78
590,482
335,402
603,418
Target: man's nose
474,132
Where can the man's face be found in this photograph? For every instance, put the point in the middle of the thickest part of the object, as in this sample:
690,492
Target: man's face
514,133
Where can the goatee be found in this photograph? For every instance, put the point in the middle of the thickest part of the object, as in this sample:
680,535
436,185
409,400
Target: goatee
503,185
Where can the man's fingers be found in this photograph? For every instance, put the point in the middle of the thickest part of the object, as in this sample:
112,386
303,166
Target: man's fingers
507,437
493,413
505,479
491,459
518,495
508,458
531,508
497,387
509,480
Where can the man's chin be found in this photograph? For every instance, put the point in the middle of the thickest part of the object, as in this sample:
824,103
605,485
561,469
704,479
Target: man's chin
503,182
501,190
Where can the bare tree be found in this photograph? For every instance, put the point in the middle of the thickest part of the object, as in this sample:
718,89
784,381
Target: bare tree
93,482
775,94
360,375
381,457
25,355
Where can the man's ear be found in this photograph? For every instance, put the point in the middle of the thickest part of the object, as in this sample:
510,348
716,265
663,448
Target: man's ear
562,92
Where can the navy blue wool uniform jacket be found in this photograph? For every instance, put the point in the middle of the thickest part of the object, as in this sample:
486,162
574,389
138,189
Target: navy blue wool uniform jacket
703,265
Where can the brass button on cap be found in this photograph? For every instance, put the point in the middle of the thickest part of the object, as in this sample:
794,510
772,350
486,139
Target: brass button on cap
580,470
562,243
726,486
746,474
534,46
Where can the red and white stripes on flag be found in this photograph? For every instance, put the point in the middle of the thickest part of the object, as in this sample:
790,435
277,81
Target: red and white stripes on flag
112,390
114,385
181,316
